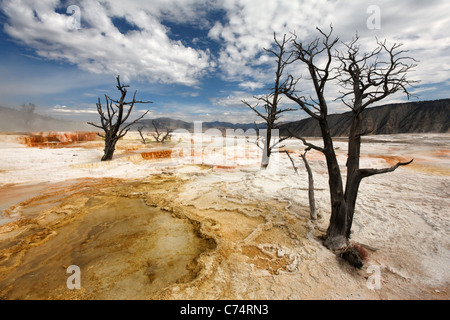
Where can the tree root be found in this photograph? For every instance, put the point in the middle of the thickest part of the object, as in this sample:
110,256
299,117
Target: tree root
353,256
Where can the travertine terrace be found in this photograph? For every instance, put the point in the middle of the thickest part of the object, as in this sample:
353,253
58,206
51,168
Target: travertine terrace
155,224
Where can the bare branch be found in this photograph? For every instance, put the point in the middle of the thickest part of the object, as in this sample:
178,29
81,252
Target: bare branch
310,145
292,161
368,80
133,122
95,125
320,76
370,172
254,109
140,133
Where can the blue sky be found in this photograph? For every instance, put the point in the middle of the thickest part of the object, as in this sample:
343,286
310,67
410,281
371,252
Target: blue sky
194,59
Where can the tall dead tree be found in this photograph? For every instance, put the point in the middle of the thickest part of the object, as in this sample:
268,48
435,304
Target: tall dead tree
367,82
113,121
365,79
271,101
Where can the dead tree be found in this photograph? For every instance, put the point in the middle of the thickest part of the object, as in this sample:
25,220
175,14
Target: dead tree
140,133
113,122
365,80
271,101
160,136
311,198
312,201
367,83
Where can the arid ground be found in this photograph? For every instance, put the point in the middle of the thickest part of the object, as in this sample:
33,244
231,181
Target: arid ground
182,221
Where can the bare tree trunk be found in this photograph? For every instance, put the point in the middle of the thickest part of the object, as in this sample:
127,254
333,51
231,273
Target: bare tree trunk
365,80
353,176
311,198
312,202
157,135
335,237
110,147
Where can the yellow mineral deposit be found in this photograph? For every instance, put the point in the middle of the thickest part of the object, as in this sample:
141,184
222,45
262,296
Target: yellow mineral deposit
125,248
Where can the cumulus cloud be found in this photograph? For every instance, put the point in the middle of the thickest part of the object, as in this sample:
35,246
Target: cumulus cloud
65,109
134,39
145,52
251,85
231,99
250,28
420,25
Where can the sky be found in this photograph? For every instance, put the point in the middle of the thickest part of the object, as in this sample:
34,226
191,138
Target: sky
196,60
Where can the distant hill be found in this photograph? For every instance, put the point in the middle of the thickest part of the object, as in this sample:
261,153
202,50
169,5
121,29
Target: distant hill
12,120
409,117
172,124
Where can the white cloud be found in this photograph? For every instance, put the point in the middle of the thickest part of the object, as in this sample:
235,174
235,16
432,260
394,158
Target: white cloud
250,28
148,53
99,47
65,109
237,110
232,99
422,26
251,85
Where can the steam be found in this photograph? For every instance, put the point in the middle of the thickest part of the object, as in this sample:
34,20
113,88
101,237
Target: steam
27,119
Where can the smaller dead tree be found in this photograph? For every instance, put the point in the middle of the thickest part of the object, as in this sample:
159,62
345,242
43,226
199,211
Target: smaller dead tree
312,202
292,161
311,198
271,101
140,133
161,136
113,121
